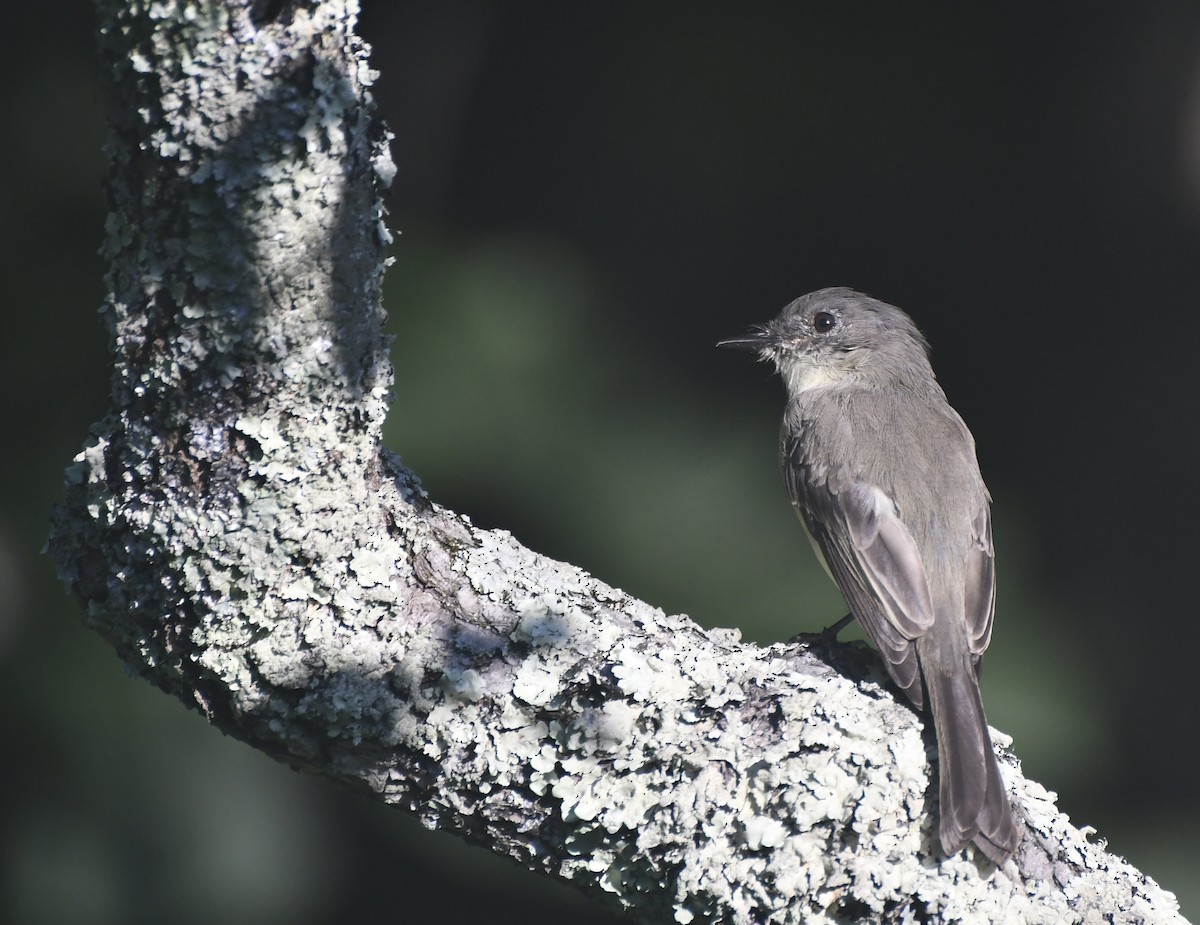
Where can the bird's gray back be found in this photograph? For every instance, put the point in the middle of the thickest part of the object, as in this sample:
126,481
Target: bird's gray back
885,432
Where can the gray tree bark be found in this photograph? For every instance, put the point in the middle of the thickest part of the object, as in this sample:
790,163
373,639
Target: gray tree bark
235,529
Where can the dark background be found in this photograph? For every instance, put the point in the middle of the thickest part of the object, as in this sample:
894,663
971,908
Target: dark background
589,199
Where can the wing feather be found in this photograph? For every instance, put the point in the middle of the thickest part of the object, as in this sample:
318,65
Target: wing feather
980,590
874,561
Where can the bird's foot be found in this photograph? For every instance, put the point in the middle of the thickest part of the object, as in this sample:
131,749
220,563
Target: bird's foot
827,636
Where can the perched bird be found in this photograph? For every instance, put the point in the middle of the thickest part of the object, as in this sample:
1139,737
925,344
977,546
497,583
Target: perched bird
882,472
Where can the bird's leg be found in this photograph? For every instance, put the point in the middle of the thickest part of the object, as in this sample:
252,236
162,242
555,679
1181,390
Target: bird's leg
830,633
827,636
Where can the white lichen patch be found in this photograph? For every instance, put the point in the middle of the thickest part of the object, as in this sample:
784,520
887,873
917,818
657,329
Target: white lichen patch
546,621
607,729
373,566
764,832
649,677
536,683
265,432
467,684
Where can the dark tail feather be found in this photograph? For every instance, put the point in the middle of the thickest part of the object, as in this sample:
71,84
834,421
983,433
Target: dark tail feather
973,803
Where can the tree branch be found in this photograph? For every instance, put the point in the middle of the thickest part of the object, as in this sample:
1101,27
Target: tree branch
234,528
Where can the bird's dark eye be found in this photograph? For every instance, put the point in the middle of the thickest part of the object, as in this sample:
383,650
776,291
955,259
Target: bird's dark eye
823,322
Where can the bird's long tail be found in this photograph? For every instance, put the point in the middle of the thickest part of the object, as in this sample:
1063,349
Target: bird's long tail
973,803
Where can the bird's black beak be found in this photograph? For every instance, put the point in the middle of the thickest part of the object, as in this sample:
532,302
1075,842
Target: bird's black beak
757,338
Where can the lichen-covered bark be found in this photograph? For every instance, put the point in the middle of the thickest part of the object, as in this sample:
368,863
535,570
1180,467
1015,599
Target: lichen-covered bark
236,531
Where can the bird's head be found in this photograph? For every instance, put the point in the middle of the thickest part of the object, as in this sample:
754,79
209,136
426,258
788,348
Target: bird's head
839,336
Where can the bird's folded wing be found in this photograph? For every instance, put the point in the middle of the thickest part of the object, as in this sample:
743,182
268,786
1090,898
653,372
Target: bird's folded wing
980,598
876,564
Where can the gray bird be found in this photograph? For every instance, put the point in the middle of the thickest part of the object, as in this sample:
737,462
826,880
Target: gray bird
882,472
